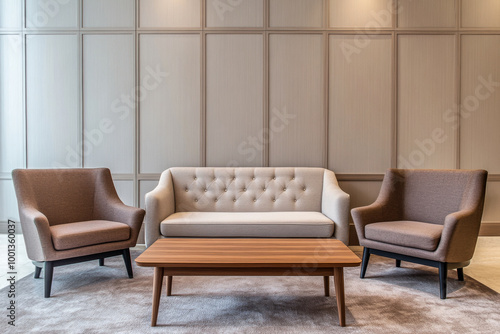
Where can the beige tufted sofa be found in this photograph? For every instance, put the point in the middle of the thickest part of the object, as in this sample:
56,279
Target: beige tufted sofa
247,202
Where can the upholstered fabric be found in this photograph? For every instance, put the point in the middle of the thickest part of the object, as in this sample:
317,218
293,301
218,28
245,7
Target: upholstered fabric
451,199
248,224
409,233
48,198
88,233
247,190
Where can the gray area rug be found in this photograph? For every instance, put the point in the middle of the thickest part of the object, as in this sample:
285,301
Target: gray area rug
87,298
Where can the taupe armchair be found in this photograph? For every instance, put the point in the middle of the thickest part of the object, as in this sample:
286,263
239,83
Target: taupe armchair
73,215
430,217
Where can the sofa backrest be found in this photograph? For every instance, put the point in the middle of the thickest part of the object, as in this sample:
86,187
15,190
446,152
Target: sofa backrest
247,189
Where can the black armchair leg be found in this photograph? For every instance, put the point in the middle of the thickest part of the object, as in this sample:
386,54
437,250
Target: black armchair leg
364,264
38,270
398,263
460,273
101,262
128,262
47,279
443,275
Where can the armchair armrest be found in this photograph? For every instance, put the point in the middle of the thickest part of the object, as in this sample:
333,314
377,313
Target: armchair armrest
335,205
459,236
36,233
159,205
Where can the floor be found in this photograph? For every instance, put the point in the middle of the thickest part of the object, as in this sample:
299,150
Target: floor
484,267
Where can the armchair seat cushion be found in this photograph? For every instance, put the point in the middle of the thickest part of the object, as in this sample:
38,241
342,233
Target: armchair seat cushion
88,233
285,224
406,233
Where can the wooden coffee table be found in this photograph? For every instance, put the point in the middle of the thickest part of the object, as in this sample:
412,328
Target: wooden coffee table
248,257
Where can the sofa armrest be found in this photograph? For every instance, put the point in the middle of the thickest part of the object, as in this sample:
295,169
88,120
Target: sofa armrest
335,205
36,233
160,204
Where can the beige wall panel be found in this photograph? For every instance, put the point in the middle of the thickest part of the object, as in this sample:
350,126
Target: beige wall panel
109,13
427,13
8,201
491,208
360,121
235,13
11,103
362,192
296,100
109,121
480,14
125,190
170,109
52,99
11,14
145,186
426,94
296,13
361,13
480,111
235,68
52,14
169,13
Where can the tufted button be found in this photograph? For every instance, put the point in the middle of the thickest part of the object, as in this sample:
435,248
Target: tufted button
255,199
234,178
293,178
264,189
304,188
205,190
284,189
186,189
244,189
295,200
225,190
274,177
253,178
195,178
196,200
216,200
234,200
274,199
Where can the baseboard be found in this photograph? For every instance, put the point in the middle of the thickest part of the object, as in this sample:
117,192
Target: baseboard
490,229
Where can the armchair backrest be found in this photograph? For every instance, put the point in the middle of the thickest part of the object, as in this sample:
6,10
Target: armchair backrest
62,195
430,195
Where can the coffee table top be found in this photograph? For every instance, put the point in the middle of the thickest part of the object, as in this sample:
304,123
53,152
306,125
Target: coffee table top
194,252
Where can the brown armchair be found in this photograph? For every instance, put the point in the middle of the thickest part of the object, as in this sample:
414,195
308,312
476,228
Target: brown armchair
430,217
73,215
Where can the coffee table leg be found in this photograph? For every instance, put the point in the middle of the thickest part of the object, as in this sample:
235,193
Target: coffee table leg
157,283
326,280
338,275
169,285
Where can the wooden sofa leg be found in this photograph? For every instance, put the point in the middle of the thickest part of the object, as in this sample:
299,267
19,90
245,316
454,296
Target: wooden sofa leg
460,273
101,262
443,276
128,262
48,269
364,264
398,263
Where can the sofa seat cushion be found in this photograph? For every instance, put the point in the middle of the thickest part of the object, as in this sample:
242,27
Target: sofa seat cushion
406,233
287,224
88,233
